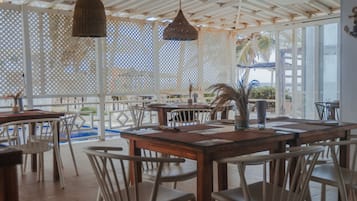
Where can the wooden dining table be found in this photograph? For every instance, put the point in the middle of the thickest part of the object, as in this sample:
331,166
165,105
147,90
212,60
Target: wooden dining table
164,108
209,142
33,114
9,159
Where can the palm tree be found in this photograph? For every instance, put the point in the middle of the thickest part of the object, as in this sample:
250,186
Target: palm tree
252,47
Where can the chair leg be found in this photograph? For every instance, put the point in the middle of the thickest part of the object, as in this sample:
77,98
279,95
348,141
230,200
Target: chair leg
59,165
323,192
99,196
38,168
308,195
174,185
42,166
73,157
24,165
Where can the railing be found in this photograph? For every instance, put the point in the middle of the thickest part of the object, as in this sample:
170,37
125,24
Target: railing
117,114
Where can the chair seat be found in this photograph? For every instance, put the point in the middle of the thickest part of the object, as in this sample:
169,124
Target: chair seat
327,174
164,194
173,172
34,147
256,189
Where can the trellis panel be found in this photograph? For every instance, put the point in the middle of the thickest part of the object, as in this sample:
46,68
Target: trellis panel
129,58
11,52
61,64
178,62
216,57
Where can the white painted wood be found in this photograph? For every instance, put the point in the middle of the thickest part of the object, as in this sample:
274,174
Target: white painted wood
27,60
156,63
348,66
100,73
198,11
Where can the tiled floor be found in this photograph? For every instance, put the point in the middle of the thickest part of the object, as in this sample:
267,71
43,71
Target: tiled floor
84,187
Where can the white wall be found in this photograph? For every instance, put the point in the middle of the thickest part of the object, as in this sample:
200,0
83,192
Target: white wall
348,100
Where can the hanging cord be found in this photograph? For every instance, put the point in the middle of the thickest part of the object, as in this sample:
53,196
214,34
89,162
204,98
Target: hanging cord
238,13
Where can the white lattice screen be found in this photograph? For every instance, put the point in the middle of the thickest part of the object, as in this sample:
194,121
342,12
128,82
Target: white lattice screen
61,64
129,58
178,64
11,52
66,66
217,57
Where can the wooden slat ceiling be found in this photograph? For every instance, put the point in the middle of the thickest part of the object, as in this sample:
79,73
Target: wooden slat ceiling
221,14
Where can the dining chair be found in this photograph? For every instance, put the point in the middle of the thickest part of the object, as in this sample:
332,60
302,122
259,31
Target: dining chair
66,127
321,110
332,174
31,139
289,176
172,172
191,116
111,170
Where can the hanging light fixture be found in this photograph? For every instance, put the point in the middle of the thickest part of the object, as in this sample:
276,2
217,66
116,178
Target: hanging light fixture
180,29
89,19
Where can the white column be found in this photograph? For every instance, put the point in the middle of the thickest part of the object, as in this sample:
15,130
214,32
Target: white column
348,65
100,73
233,56
156,61
27,60
200,61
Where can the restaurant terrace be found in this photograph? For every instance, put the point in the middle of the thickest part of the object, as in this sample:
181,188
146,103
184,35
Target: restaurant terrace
302,54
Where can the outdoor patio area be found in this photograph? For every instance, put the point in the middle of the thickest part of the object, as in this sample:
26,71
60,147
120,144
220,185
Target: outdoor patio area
185,100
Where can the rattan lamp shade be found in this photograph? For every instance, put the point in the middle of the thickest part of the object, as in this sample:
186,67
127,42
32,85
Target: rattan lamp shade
89,19
180,29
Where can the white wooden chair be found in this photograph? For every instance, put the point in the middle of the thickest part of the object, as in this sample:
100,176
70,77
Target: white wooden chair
186,117
67,123
345,179
111,170
172,172
38,142
295,166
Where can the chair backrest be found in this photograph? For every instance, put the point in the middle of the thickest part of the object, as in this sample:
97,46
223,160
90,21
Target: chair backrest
42,129
66,125
186,117
346,177
289,172
137,114
321,110
111,170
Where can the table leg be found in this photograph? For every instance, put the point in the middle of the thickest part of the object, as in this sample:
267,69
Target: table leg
222,176
204,177
55,169
134,151
32,131
8,184
162,116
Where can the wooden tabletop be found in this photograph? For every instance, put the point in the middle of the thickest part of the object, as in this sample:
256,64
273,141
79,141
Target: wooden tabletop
28,114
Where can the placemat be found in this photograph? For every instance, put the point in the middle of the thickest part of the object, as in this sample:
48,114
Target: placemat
305,126
248,134
196,127
180,137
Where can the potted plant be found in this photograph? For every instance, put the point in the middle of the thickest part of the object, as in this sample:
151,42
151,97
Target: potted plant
238,94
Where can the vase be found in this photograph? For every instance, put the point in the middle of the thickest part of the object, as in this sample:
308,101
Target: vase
241,121
15,109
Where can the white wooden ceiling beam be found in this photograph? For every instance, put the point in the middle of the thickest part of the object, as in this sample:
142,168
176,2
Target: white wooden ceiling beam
320,6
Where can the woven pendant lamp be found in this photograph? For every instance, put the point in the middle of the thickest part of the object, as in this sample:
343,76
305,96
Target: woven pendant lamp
89,19
180,29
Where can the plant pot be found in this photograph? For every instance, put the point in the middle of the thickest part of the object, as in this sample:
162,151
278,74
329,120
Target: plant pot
15,109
